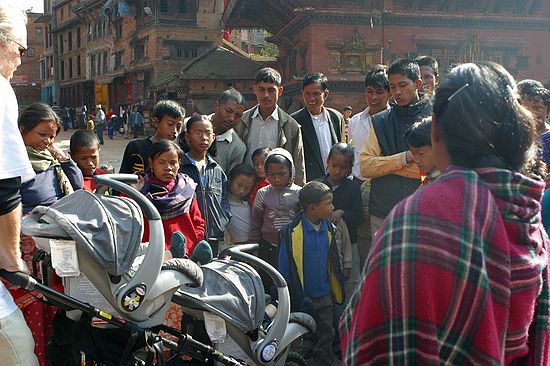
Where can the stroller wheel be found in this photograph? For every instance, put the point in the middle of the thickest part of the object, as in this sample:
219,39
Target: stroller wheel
295,359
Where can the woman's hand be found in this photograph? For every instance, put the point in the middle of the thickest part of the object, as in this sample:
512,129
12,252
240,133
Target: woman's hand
58,153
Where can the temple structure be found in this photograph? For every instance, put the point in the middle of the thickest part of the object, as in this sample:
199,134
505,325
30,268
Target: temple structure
344,39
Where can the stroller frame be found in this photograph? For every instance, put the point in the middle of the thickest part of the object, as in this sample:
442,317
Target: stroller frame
271,347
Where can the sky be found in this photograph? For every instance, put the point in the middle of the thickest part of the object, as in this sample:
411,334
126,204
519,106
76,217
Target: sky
36,5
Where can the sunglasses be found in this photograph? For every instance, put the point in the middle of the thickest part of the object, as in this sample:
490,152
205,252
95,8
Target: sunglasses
22,49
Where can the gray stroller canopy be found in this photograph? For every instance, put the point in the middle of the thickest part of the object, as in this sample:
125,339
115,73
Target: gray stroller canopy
107,228
232,290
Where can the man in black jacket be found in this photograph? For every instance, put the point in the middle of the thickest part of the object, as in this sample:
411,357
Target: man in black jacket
321,126
386,157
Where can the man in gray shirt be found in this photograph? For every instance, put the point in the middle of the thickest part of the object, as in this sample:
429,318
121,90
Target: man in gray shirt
228,110
267,125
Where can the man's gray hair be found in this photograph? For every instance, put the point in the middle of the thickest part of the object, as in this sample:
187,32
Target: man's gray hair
11,19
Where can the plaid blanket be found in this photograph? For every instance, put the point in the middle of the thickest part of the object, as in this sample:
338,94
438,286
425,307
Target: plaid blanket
457,275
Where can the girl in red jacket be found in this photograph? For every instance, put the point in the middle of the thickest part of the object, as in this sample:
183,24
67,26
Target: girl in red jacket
173,194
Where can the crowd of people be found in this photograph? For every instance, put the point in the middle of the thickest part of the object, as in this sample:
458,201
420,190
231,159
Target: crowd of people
411,231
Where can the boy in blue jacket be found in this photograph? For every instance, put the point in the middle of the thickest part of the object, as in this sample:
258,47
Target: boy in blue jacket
309,261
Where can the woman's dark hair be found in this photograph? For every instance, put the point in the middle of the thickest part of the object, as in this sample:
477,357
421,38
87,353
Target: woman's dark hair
481,120
36,113
419,133
242,169
162,146
277,159
345,150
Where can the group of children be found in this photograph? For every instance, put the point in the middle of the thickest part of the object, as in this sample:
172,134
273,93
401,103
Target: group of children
306,232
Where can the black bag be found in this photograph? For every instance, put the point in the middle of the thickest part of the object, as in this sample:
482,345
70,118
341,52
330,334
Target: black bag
104,346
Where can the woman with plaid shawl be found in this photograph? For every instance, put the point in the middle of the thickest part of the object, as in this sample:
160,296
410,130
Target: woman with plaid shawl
458,274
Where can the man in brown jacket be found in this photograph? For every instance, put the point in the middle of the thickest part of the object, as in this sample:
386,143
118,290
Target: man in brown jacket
267,125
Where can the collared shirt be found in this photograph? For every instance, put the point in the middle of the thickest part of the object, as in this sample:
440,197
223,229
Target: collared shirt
358,131
262,133
322,130
226,136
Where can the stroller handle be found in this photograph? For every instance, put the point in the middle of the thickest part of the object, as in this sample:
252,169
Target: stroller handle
238,252
118,182
20,279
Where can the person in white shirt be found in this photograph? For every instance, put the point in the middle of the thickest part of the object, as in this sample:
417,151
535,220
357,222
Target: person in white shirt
16,342
321,126
229,149
377,94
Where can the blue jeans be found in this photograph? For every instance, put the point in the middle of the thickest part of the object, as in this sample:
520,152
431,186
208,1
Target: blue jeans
99,131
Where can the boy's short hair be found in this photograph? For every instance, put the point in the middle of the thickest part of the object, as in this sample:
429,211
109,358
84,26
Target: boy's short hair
314,78
347,108
312,193
428,61
419,133
83,138
170,108
345,149
377,78
232,94
268,75
405,67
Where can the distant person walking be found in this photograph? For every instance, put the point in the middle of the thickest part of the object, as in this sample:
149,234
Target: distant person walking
100,119
136,122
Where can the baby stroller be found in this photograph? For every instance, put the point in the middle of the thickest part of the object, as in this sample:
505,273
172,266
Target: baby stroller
140,287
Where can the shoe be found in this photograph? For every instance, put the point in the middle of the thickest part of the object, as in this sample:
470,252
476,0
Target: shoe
177,245
202,254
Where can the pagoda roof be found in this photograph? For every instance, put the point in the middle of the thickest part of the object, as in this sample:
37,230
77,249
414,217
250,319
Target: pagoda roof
224,62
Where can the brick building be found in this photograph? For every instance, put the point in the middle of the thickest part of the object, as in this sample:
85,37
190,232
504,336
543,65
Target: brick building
26,80
344,39
121,52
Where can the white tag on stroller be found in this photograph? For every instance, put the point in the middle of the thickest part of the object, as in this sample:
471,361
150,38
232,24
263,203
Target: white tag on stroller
215,327
64,257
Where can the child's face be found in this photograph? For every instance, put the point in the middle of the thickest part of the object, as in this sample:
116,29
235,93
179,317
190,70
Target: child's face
165,166
278,175
324,208
87,159
338,167
200,136
259,162
241,186
423,157
168,127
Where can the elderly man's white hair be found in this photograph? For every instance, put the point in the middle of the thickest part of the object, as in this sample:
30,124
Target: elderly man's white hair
12,20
